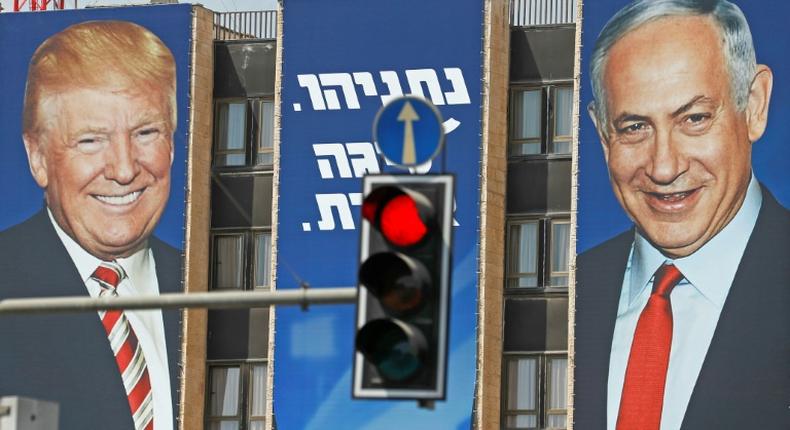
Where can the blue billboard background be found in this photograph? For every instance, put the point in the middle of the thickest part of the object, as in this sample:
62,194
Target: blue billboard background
600,215
171,23
342,60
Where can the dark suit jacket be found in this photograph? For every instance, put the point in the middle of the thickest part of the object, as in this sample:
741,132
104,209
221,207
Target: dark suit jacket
744,382
66,358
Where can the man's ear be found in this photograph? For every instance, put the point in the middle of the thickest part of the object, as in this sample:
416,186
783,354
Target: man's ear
759,99
36,159
598,128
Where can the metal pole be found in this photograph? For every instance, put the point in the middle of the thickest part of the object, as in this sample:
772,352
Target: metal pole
214,300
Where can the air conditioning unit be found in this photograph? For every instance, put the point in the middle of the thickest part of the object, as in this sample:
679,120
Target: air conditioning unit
22,413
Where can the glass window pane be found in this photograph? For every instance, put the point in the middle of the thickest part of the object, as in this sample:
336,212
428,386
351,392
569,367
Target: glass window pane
257,425
258,392
524,254
525,148
265,158
521,384
561,146
224,397
230,159
560,240
563,117
526,114
266,127
557,421
231,123
228,251
558,383
563,111
263,255
522,421
224,425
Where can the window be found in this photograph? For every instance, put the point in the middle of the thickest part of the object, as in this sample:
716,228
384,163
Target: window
236,254
244,133
236,396
541,120
537,253
535,392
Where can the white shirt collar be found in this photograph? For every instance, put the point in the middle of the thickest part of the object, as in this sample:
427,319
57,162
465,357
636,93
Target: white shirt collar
711,269
135,265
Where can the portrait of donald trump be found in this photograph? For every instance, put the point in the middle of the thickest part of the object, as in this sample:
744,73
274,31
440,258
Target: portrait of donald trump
98,121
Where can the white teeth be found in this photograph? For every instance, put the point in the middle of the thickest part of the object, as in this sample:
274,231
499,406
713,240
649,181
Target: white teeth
120,200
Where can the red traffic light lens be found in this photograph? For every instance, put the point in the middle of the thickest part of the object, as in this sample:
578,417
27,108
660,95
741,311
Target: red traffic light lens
401,223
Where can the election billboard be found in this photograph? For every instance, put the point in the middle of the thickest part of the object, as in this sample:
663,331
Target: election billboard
93,158
341,62
682,236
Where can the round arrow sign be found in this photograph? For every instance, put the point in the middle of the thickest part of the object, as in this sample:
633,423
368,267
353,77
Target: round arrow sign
408,131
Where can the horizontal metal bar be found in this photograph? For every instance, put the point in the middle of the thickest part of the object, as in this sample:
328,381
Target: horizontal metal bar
214,300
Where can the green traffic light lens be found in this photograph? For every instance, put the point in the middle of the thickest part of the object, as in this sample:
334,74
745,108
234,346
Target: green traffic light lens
395,348
394,357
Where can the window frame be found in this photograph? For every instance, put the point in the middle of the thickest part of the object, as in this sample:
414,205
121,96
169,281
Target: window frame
547,119
542,387
543,254
252,134
249,258
244,408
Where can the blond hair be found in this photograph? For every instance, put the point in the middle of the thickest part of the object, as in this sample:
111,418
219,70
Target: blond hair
98,54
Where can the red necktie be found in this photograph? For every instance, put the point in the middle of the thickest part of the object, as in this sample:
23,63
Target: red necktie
646,374
128,352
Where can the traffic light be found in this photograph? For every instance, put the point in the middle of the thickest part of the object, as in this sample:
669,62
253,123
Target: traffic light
404,278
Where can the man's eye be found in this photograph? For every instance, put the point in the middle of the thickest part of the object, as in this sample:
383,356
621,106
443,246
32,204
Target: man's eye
89,144
696,118
696,123
635,128
148,134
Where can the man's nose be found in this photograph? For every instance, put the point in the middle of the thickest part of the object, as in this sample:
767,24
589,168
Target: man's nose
121,165
667,160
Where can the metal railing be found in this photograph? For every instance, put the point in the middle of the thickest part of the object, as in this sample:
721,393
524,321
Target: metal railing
256,24
526,13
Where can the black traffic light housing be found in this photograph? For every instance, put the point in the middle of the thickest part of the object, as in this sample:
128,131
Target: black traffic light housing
404,280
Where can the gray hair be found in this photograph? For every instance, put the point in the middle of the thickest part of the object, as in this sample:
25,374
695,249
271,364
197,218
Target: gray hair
738,47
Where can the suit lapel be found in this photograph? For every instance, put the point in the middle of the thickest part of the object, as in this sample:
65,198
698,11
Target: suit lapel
745,376
600,278
168,273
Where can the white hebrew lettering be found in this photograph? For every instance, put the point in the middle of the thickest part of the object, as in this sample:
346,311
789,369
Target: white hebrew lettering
365,80
450,124
343,80
417,76
314,89
336,151
390,79
325,204
367,163
459,95
355,198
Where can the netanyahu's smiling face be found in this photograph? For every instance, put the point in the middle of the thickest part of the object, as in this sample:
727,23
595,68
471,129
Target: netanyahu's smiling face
677,147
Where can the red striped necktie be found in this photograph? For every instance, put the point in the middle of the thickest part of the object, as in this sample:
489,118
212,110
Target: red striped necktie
645,377
127,350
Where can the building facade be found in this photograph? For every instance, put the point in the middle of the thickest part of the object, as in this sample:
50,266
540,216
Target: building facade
532,363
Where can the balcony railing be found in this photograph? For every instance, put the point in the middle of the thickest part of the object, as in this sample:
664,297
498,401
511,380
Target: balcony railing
527,13
257,24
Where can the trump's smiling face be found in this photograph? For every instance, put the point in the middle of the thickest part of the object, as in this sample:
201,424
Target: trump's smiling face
103,157
678,149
